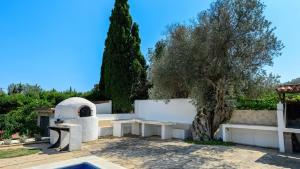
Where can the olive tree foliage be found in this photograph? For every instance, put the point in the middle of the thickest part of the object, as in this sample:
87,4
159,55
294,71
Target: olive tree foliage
213,58
165,75
260,85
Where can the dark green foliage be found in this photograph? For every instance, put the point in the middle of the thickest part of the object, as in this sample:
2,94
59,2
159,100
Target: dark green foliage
24,119
17,109
2,120
140,84
54,97
292,98
95,94
10,102
267,103
123,70
116,76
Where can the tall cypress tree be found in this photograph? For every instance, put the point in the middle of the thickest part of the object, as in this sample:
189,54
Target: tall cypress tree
122,60
140,85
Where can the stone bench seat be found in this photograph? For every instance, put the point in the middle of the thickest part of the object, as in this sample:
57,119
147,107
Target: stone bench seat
257,135
145,126
105,131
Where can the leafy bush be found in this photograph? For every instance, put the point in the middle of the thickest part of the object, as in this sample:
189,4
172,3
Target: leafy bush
23,119
267,102
17,108
257,104
292,98
11,102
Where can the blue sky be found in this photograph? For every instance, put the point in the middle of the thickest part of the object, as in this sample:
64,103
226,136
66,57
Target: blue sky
59,43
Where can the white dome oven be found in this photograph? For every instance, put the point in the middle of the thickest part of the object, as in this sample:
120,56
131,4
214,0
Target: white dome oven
74,111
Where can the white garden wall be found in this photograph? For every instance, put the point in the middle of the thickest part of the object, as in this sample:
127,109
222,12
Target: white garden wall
183,112
261,138
116,116
104,108
173,110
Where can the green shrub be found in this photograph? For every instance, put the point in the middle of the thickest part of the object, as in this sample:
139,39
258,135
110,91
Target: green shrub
292,98
267,102
24,119
17,109
257,104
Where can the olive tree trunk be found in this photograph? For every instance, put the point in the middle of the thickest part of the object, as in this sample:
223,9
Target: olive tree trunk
211,114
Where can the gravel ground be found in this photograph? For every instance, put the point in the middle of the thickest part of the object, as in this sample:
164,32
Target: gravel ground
137,153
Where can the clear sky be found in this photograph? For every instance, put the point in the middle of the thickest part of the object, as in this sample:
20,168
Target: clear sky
59,43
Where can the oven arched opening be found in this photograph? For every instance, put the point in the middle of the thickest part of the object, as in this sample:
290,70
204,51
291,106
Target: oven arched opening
85,111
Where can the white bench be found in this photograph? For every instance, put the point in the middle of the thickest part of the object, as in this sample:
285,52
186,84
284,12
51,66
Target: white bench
166,127
257,135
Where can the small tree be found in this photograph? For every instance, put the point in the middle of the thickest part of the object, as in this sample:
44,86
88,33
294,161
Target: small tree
211,59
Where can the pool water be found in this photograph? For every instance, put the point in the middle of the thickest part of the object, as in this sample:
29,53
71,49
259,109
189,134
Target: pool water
84,165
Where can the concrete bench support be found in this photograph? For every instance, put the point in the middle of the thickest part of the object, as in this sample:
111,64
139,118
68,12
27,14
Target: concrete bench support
264,136
166,132
146,129
105,131
135,128
117,130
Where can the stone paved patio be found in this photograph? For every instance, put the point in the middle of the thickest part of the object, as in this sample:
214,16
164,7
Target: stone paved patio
154,153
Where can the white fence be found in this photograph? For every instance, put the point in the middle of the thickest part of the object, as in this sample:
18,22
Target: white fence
173,110
116,116
104,108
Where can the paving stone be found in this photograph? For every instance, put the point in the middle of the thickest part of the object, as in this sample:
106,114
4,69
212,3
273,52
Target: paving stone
148,153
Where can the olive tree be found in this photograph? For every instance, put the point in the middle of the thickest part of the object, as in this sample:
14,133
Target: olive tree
213,58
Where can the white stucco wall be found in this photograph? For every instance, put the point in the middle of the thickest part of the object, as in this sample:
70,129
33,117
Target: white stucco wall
173,110
261,138
116,116
104,108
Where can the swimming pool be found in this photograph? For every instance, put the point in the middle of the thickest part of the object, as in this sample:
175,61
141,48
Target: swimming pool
86,162
84,165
